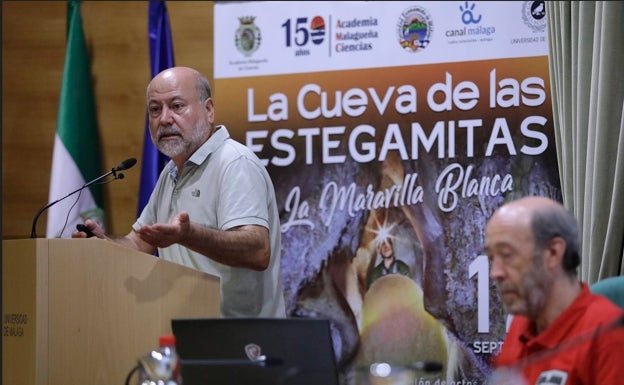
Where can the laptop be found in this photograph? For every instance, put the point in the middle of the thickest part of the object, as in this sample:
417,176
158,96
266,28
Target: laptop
258,351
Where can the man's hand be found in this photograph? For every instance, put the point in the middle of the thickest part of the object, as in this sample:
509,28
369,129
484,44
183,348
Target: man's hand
90,229
163,235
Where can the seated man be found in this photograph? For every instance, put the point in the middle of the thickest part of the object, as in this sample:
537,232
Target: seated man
561,333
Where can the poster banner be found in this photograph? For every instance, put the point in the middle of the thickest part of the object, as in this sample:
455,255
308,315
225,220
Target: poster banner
392,131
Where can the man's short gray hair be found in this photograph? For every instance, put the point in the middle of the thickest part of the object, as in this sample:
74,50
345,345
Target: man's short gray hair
551,222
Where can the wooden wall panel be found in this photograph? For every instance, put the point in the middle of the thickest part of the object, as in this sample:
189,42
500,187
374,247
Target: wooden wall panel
33,51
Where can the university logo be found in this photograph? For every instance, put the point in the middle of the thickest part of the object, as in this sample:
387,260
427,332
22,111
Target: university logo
534,15
247,36
414,29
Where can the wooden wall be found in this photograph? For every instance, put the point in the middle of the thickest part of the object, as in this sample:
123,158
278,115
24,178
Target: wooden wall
33,51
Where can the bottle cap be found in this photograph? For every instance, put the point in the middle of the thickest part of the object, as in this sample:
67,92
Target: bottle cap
166,340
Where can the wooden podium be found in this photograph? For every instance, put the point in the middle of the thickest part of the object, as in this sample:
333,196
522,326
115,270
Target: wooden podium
82,311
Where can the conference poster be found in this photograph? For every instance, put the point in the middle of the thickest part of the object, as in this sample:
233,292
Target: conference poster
401,125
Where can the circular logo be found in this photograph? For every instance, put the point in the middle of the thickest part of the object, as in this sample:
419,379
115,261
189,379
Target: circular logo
247,36
534,15
317,27
414,29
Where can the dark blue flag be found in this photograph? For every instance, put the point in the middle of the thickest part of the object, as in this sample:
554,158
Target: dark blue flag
161,58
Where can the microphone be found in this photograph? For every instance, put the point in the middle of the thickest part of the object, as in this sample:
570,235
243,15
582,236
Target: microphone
126,164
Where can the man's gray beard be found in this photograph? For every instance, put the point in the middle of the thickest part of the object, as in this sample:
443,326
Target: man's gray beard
174,149
535,296
181,146
537,286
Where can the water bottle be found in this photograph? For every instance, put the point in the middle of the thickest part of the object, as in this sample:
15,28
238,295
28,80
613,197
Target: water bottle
166,345
162,366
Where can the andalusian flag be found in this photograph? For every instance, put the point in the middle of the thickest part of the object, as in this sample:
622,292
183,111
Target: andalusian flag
76,155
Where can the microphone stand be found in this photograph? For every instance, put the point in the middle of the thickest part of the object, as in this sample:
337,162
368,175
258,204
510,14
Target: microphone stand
33,232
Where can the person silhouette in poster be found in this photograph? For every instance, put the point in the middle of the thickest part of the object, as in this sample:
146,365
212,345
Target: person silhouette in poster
389,263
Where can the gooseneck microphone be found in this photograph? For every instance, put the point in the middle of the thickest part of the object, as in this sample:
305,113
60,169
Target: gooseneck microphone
126,164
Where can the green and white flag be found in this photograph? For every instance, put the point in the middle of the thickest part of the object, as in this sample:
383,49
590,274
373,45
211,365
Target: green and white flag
76,154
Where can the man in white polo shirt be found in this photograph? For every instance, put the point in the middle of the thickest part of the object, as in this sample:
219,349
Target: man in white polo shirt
213,207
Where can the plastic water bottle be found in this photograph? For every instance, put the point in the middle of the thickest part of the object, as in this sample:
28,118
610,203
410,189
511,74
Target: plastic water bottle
161,366
170,359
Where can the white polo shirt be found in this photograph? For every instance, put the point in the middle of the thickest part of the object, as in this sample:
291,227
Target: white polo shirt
223,185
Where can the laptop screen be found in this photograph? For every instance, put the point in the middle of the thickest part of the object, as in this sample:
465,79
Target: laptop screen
259,351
